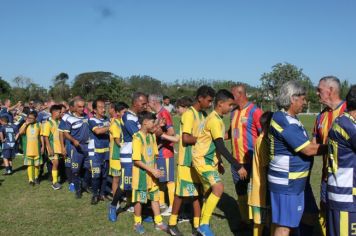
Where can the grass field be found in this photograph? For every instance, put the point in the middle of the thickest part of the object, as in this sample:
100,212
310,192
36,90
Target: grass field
40,210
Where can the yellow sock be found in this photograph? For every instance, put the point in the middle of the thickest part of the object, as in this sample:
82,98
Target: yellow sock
137,219
322,222
173,220
54,176
257,230
158,219
37,171
171,187
196,221
210,206
30,173
242,200
162,199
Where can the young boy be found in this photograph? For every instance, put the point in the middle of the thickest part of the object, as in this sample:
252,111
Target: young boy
207,163
145,173
116,140
257,201
33,147
52,141
7,136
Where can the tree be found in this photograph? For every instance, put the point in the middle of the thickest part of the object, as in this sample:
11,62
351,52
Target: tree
5,89
60,90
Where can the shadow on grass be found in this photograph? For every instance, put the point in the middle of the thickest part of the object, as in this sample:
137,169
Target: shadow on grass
20,168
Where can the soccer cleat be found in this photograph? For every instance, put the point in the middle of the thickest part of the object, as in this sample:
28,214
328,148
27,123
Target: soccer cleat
31,183
167,212
9,172
112,216
174,231
56,186
194,231
139,228
37,181
71,187
205,230
94,200
101,198
161,226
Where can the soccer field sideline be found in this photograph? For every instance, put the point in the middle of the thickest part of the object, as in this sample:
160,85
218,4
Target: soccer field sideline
40,210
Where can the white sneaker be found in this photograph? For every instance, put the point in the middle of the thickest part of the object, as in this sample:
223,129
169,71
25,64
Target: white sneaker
167,212
163,206
130,209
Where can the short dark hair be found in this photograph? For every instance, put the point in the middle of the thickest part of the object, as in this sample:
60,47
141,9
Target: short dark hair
223,95
4,118
55,107
34,113
26,110
165,97
265,119
145,115
204,91
95,102
136,96
120,106
351,99
184,102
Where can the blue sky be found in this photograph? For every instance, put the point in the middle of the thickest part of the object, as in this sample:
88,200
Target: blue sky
176,39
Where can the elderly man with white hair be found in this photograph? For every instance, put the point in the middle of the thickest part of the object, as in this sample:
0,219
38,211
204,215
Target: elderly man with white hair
290,151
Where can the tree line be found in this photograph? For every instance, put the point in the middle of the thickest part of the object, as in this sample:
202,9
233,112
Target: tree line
112,87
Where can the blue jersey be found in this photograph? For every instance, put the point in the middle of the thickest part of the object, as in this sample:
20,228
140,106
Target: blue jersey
43,116
5,112
77,127
101,141
341,188
9,132
130,126
288,169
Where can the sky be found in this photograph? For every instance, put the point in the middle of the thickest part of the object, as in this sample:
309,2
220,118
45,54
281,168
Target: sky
176,39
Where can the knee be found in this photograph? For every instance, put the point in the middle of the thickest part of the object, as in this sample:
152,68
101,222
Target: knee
218,189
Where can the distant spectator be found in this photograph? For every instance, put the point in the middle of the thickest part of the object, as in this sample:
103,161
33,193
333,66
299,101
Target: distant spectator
167,104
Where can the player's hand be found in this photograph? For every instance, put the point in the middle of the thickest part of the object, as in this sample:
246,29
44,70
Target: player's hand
64,152
157,173
76,143
221,168
242,173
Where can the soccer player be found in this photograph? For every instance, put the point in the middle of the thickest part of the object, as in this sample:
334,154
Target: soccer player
328,91
53,145
99,151
145,172
257,197
116,139
77,131
341,185
244,130
8,139
33,147
290,154
130,126
187,182
207,158
165,161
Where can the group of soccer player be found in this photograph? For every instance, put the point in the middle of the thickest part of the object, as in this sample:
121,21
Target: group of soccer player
135,146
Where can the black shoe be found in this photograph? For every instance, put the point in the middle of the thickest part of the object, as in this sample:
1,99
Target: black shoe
37,181
31,183
173,230
94,200
78,195
194,231
101,198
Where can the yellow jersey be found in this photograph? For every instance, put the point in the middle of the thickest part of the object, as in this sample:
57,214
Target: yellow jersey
32,140
50,130
144,148
191,122
115,133
204,151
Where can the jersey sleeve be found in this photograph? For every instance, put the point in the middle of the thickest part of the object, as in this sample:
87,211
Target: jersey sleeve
115,130
187,121
136,148
64,126
155,146
315,128
130,125
215,128
168,119
92,124
46,129
256,120
295,137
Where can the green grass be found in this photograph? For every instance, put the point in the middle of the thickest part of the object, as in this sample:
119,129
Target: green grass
40,210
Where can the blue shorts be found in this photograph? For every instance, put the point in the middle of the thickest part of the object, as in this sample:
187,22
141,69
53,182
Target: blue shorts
287,210
79,157
340,223
68,158
8,153
323,193
126,176
99,165
167,166
241,185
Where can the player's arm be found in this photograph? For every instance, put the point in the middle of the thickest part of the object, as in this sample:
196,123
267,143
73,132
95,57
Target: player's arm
71,139
2,137
45,135
61,141
23,128
48,146
100,130
313,149
174,139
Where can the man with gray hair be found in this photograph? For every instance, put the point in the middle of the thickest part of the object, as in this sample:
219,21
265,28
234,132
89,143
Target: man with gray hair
328,91
165,160
290,151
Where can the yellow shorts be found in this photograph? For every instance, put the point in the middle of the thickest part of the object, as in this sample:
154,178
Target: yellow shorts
259,215
208,176
33,161
114,168
56,156
187,182
142,196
